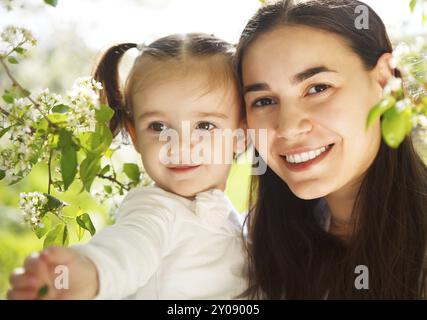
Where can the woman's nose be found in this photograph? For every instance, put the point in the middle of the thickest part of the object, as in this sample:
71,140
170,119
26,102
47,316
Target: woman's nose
292,123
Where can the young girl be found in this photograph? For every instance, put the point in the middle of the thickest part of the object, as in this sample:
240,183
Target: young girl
181,238
339,214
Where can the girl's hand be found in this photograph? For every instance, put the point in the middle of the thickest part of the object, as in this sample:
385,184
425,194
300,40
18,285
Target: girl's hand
55,273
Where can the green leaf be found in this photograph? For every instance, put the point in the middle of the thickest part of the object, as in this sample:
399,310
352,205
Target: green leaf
42,292
68,165
412,5
42,126
65,236
85,222
104,114
52,3
19,50
2,174
109,153
41,231
65,138
108,189
68,161
57,237
97,142
89,168
4,131
378,110
396,125
105,170
132,171
79,232
53,203
57,118
52,141
12,60
60,108
8,97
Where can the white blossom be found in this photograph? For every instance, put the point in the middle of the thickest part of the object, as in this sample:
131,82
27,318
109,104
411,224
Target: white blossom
32,206
83,100
13,37
47,100
393,85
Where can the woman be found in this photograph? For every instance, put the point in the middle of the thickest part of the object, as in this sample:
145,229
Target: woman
335,199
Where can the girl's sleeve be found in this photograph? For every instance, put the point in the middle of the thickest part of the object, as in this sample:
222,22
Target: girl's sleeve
128,253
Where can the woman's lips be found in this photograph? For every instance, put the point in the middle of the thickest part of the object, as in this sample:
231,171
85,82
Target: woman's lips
183,168
298,167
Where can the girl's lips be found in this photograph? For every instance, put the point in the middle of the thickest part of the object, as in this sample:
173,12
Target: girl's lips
182,169
297,167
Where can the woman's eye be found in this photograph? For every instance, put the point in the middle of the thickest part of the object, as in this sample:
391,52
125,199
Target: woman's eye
205,126
263,102
318,88
157,126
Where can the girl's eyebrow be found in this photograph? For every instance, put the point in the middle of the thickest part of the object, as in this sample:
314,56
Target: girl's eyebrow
212,114
298,78
150,114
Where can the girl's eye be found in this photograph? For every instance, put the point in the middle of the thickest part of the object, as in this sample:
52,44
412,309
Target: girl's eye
263,102
318,88
157,126
205,126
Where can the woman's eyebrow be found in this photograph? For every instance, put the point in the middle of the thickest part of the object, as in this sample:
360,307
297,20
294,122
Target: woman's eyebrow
256,87
299,77
308,73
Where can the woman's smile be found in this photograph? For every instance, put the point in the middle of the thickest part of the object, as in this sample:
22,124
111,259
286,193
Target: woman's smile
305,160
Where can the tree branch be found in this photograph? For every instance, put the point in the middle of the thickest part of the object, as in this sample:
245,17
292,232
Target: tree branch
49,165
16,83
113,180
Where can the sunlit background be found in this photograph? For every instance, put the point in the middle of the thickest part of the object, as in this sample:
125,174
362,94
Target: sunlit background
70,38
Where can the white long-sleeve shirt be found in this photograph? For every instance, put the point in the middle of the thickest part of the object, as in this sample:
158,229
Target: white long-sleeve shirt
164,246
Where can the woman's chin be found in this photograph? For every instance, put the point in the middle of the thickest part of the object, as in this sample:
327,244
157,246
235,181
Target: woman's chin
308,191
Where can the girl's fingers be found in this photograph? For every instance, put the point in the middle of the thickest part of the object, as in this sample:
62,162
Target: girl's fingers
34,266
58,255
20,280
40,270
24,294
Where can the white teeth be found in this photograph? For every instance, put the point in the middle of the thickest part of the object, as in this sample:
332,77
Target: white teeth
306,156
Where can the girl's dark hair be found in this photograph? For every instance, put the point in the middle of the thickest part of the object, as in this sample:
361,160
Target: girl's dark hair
290,255
179,49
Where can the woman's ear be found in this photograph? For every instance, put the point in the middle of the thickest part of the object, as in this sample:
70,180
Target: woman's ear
130,128
383,71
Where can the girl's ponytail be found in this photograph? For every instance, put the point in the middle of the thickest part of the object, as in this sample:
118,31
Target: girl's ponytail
107,73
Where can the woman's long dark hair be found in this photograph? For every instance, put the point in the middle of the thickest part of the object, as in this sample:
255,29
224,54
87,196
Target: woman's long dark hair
290,255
